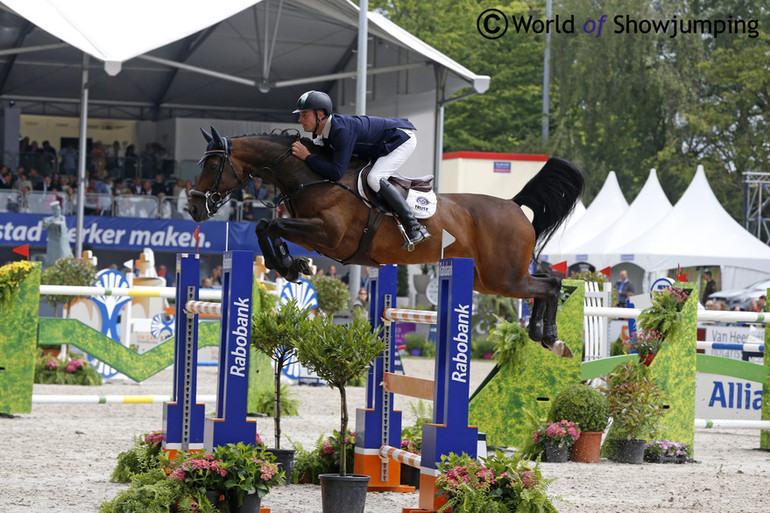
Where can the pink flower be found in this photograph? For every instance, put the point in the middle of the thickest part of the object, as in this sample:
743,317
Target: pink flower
155,437
528,479
52,364
74,365
259,440
327,449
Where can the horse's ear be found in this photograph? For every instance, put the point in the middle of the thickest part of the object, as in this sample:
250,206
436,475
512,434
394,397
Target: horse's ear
215,134
207,136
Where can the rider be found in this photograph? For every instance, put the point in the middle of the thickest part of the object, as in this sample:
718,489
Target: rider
386,141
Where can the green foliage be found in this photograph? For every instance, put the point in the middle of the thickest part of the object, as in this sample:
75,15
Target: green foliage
415,341
323,459
511,343
482,347
265,402
529,448
635,401
490,309
250,469
68,271
582,404
267,300
597,277
402,281
333,294
411,436
153,493
275,333
49,370
11,276
619,347
144,456
499,484
339,354
665,314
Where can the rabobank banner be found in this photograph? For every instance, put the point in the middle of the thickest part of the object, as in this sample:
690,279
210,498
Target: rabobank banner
129,233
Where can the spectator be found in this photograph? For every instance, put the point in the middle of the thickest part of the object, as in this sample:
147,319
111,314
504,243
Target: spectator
624,288
115,158
360,305
148,160
136,186
35,178
332,271
206,283
163,273
159,186
98,158
181,200
710,287
6,179
146,188
22,182
69,160
45,185
216,277
131,161
762,303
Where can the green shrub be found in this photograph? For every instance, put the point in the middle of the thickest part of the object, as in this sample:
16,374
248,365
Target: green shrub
49,370
265,402
582,404
511,343
481,347
415,341
333,294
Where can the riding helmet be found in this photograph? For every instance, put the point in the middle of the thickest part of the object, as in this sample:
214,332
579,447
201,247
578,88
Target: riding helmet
314,100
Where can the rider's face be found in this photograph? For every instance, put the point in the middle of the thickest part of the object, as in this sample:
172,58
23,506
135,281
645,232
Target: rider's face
307,120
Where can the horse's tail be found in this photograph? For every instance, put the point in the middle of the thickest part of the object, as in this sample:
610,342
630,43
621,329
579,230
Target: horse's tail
552,195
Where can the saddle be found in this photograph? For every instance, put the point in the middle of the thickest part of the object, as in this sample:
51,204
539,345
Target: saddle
418,193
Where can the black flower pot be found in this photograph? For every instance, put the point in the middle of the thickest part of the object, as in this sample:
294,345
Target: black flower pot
627,451
343,494
285,460
556,454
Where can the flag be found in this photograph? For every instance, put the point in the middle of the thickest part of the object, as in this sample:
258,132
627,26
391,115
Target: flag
196,235
607,271
679,275
446,239
23,251
561,267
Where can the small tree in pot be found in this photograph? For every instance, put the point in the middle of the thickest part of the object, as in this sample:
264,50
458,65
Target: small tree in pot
588,408
339,354
274,333
636,405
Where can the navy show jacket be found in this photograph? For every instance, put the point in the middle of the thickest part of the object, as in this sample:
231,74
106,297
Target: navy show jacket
367,137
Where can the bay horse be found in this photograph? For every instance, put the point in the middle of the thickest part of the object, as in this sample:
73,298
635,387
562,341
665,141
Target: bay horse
331,218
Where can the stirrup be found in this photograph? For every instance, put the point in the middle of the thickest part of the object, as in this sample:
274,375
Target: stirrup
409,244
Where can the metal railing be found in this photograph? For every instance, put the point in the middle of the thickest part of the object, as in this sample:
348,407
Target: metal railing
126,205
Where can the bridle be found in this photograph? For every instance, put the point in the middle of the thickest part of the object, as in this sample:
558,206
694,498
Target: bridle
223,147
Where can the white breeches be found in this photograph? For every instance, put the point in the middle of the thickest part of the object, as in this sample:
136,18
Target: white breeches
388,164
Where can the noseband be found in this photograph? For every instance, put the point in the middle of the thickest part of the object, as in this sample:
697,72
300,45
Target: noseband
213,199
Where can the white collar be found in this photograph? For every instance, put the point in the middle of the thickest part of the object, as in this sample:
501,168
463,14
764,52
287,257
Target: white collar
327,127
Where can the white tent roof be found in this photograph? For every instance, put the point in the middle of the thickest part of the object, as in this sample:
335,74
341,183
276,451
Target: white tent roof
608,206
650,206
697,231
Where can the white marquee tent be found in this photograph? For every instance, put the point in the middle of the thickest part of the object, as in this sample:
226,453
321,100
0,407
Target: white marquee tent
698,231
650,206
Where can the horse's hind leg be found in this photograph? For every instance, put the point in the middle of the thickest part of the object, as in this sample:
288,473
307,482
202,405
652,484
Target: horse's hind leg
551,336
536,320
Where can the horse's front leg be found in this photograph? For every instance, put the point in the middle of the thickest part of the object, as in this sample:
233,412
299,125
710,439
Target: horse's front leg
266,245
309,232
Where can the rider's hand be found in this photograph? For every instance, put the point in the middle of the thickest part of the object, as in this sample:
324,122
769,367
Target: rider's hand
299,150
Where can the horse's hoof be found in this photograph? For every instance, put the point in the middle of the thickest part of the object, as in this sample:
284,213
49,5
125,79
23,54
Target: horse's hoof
561,349
302,265
291,275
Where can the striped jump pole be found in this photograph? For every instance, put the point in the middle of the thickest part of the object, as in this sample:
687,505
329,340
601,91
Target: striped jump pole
378,426
111,399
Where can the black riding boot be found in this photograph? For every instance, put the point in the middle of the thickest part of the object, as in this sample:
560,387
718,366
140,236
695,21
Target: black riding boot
415,232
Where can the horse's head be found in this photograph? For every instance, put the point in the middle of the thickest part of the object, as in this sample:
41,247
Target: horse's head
228,164
218,179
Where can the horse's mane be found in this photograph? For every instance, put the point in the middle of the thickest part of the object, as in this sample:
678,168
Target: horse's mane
289,138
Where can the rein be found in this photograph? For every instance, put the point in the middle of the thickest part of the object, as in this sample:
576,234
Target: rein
214,200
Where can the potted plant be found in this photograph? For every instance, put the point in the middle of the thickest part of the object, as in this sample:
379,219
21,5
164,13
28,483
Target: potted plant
333,294
492,484
557,438
635,402
665,313
415,343
588,408
647,343
339,354
251,472
273,333
203,475
141,458
666,451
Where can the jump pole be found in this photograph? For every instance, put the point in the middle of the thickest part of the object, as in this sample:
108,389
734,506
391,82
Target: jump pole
378,426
